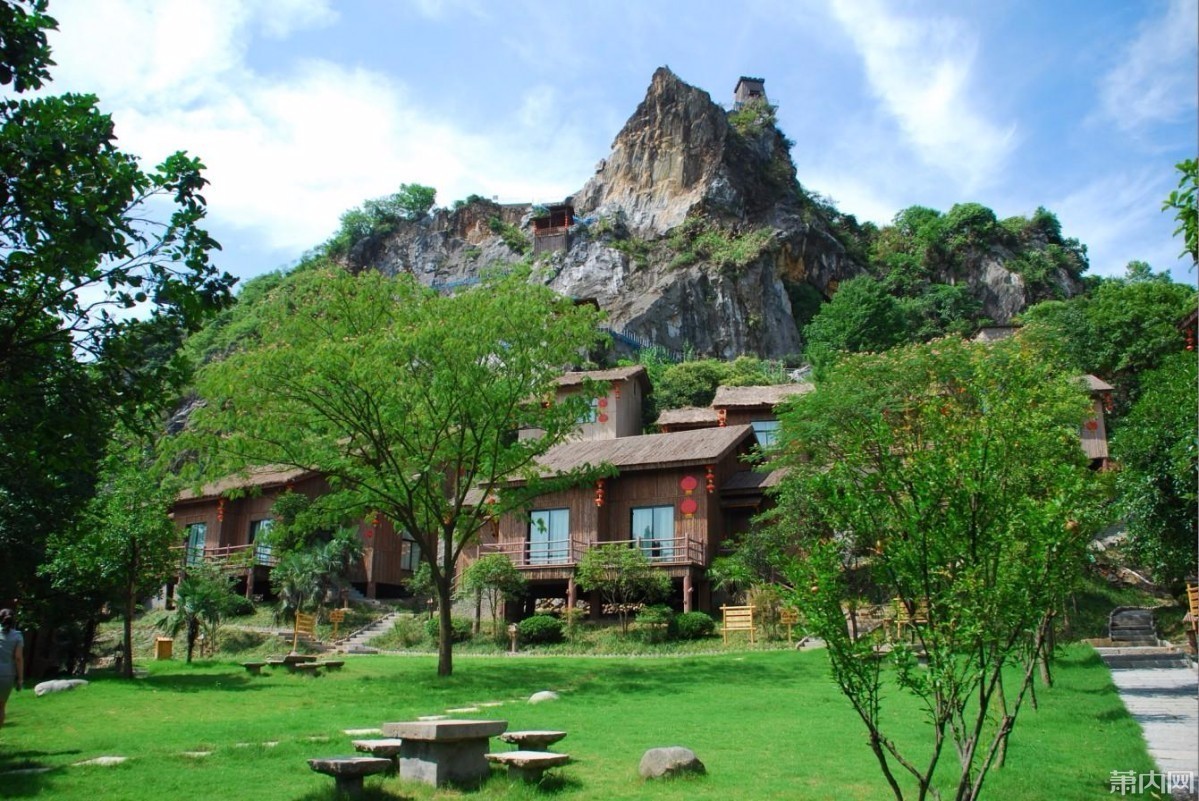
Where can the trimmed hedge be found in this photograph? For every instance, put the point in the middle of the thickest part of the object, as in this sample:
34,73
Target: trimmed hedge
693,626
540,629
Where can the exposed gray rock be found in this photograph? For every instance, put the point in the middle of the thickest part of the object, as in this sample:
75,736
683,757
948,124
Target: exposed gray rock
543,696
674,760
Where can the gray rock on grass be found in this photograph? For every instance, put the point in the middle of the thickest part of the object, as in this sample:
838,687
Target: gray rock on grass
543,696
58,686
657,763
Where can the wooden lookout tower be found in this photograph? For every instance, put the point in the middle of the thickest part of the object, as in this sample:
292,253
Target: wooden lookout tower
749,90
551,230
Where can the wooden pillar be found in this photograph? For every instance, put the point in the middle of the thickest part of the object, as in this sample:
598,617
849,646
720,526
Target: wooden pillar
687,590
572,593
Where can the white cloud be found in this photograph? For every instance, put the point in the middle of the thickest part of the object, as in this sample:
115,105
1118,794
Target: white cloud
921,70
1154,77
1118,217
287,152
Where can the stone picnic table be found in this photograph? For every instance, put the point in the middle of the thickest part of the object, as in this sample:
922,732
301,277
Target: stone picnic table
439,751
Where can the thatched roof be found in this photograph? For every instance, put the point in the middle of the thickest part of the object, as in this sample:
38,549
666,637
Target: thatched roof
255,477
768,396
1097,384
649,451
688,415
615,374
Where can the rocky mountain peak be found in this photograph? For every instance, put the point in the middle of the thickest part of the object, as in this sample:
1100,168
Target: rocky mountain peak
679,155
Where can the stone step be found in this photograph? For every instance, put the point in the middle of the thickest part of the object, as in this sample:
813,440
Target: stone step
1119,658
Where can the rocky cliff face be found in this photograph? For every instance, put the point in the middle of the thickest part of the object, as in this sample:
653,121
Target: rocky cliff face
692,232
677,159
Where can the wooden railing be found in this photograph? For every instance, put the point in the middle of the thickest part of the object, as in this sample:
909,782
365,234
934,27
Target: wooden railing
228,555
675,551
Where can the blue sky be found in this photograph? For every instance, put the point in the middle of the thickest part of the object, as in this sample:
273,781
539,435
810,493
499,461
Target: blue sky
304,108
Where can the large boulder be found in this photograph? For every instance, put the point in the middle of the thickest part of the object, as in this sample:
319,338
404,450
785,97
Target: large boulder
674,760
57,686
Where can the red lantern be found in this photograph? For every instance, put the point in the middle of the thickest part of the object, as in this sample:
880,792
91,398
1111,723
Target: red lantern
711,477
688,484
688,507
722,417
603,418
220,510
616,390
1092,425
603,403
599,493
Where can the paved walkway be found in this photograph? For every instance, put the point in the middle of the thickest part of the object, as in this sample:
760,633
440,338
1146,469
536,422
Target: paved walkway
1165,701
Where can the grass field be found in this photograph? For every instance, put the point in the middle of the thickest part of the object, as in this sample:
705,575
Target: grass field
768,725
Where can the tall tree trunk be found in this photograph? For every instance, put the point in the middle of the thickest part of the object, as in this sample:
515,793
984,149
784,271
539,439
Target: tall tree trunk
445,644
130,611
127,646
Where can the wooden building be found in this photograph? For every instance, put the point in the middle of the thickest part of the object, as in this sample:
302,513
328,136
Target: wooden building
551,231
224,522
616,413
666,499
1094,428
748,90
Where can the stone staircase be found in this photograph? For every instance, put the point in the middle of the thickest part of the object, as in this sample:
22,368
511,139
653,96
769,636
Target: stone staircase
1134,643
356,642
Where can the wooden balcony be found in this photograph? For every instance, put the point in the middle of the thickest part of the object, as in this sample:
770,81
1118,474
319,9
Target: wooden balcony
229,557
559,560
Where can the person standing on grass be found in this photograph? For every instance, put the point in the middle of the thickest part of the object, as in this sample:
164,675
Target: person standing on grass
12,659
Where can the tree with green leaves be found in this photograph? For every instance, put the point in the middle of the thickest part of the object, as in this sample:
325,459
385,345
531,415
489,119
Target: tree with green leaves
1122,328
623,577
204,597
407,400
1182,202
862,316
495,578
121,547
306,576
1156,450
103,267
379,216
950,475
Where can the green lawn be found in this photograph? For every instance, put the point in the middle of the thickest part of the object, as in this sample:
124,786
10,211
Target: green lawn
766,724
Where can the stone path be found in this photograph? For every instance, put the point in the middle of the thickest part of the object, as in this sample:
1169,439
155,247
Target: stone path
1165,701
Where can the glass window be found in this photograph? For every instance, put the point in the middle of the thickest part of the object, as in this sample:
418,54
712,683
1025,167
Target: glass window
592,413
767,431
549,536
653,530
197,533
410,554
258,531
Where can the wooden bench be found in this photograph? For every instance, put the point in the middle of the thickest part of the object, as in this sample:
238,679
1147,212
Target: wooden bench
254,668
347,772
532,740
738,618
529,766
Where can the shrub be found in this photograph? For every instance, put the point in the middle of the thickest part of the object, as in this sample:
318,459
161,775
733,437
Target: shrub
655,622
461,629
540,629
240,606
410,631
693,626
